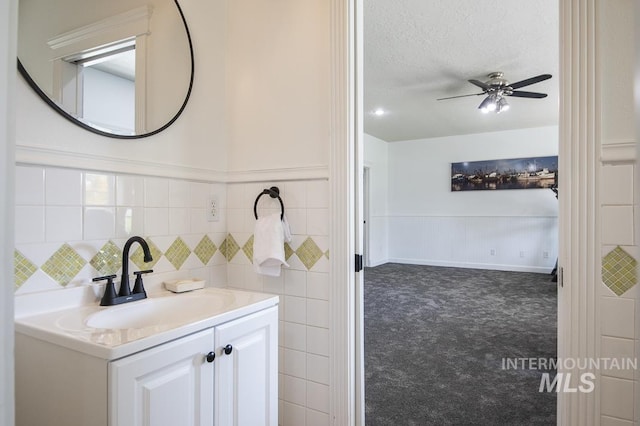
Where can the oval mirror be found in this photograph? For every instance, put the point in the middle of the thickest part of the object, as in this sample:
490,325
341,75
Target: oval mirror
119,68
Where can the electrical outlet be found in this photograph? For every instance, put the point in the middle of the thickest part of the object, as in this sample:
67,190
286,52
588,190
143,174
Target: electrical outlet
492,252
521,253
545,254
213,209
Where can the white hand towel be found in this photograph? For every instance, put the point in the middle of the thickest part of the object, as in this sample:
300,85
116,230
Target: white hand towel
268,244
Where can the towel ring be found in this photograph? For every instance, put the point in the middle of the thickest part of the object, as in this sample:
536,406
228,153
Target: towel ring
273,192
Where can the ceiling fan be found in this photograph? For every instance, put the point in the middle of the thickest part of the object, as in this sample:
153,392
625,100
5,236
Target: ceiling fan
497,88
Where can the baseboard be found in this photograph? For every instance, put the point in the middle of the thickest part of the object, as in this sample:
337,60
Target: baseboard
469,265
374,263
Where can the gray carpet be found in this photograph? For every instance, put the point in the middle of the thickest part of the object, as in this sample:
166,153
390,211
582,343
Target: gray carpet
435,338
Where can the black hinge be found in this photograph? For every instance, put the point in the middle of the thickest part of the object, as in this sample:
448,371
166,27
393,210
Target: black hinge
358,262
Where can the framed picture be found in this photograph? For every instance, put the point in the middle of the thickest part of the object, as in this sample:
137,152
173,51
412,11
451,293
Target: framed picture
512,173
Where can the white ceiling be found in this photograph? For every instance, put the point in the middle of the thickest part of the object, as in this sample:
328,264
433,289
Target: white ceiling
416,51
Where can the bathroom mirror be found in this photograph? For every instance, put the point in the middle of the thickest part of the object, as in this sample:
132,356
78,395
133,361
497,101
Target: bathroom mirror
119,68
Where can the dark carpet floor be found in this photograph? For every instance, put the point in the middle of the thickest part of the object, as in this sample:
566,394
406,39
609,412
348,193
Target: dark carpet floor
435,339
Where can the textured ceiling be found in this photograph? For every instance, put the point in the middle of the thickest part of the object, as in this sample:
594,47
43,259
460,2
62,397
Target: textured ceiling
416,51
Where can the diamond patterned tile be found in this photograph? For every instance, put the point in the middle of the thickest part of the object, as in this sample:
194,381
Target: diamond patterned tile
108,260
205,250
326,254
619,271
138,256
288,251
247,249
309,253
23,268
64,264
231,247
177,253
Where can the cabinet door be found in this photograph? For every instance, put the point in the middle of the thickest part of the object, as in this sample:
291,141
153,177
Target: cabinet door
169,385
247,377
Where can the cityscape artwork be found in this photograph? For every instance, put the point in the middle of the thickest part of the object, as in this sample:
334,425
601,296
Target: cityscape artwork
513,173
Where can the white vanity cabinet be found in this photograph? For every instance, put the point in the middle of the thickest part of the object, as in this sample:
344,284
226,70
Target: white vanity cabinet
218,371
181,383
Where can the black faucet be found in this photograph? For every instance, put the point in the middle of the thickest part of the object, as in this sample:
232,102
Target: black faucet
124,295
125,290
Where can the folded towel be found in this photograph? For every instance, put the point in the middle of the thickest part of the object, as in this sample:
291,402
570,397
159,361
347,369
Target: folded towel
268,244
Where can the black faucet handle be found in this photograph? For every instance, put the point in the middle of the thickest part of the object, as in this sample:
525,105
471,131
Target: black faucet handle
138,287
106,277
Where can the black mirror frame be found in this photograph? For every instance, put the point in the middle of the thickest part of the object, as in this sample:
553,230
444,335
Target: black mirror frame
74,120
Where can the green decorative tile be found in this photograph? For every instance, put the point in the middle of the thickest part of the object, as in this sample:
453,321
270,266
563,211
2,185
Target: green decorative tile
288,251
177,253
205,250
619,271
138,256
64,264
23,268
231,247
309,253
247,248
108,260
326,254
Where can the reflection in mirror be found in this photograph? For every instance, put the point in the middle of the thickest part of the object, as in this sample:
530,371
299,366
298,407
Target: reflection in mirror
119,68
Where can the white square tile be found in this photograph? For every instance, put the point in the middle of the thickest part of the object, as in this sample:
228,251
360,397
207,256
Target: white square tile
273,284
295,336
63,187
294,415
199,224
295,309
63,223
29,186
235,275
156,192
99,189
616,397
318,221
29,224
129,190
295,363
318,369
318,285
617,317
617,225
295,283
295,390
318,313
295,194
156,221
236,196
316,418
620,350
616,185
99,223
318,397
318,340
317,194
179,221
297,219
179,194
236,220
129,221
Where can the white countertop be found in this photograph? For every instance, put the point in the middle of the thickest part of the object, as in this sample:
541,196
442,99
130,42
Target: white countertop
68,326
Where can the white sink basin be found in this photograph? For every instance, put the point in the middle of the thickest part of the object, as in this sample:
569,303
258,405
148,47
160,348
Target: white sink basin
177,309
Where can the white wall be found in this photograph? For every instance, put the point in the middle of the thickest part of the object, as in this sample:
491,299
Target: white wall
430,224
278,84
376,159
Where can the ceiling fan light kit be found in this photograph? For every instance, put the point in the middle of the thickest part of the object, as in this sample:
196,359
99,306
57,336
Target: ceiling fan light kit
497,89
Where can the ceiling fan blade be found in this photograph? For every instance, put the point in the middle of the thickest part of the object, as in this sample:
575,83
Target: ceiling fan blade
522,94
461,96
529,81
480,84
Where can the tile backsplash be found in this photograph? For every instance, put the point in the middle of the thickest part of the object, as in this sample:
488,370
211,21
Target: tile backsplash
71,226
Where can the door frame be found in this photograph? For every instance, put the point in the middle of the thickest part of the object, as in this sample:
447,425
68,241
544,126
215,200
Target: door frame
578,308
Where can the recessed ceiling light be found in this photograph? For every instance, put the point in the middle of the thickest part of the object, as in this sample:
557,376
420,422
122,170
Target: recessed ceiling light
379,112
